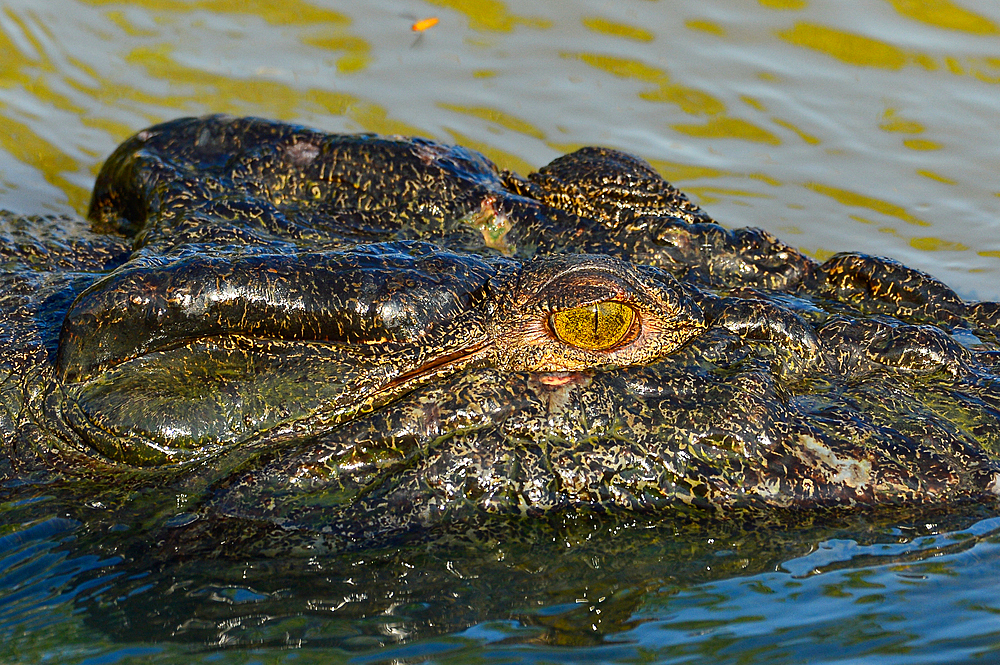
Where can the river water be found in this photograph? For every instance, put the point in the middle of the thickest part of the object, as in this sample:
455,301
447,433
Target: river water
853,125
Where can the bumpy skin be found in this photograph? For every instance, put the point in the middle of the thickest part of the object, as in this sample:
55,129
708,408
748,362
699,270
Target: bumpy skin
344,339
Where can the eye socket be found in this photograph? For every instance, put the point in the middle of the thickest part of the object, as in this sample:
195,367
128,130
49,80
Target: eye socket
596,327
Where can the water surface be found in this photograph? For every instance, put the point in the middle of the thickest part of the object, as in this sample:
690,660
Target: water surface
859,125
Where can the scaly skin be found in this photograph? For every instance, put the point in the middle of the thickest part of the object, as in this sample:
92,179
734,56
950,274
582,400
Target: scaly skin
359,337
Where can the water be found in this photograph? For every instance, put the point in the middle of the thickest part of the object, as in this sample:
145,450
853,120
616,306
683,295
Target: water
858,125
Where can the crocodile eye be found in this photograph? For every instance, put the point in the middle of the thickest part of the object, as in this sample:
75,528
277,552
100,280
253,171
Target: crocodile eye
596,327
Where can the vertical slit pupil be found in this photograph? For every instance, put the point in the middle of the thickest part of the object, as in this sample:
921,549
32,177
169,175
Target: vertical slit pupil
609,323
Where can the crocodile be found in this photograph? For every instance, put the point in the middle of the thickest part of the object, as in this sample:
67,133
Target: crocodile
344,339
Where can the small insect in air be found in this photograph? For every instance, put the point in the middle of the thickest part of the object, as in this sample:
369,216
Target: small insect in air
424,24
421,26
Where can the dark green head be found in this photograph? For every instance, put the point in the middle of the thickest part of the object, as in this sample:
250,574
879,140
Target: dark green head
366,335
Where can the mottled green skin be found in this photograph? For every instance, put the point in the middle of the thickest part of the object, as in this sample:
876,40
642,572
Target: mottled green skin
273,289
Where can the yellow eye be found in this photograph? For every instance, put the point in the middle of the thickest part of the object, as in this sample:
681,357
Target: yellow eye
596,327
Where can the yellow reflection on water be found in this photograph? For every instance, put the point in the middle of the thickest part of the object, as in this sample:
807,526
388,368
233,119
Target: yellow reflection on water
286,12
228,94
708,195
688,99
17,138
21,142
198,90
703,25
936,176
723,127
846,47
126,26
357,51
501,158
763,177
491,15
808,138
239,96
931,244
191,86
990,63
849,198
783,4
372,117
945,14
821,254
863,51
892,122
621,67
615,29
921,144
677,172
496,116
14,61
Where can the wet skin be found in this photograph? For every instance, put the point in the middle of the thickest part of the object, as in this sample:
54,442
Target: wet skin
353,337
